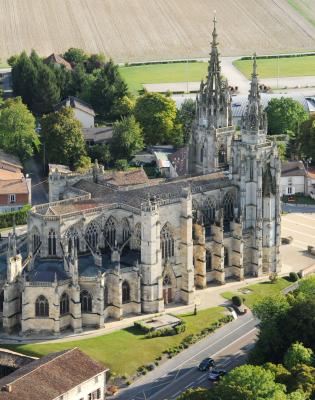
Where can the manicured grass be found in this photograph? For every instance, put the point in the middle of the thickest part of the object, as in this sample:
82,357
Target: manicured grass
268,68
135,76
259,291
125,350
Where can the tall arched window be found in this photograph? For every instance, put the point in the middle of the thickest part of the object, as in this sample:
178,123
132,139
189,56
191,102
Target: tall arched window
91,235
86,301
167,242
106,300
1,300
72,236
125,292
208,261
226,257
167,281
41,307
35,239
228,211
125,230
52,243
137,236
208,211
110,231
64,304
202,151
222,155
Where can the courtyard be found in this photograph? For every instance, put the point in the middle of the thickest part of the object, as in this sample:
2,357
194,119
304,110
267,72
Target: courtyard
301,226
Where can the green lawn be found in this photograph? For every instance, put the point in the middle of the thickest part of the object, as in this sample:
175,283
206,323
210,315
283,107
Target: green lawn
125,350
268,68
135,76
259,291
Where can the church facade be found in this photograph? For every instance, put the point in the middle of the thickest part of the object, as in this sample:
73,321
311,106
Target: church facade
111,244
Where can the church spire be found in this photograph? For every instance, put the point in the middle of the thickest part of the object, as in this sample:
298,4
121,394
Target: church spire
214,68
254,119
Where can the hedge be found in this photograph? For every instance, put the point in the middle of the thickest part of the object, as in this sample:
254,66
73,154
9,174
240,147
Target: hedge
159,62
278,56
18,217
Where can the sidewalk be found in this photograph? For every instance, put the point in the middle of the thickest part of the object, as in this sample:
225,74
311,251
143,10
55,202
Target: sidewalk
205,298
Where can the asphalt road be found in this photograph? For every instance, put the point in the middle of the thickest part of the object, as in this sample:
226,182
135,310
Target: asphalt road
228,346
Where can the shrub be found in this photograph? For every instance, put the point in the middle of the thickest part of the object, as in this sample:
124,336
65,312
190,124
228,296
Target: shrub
142,327
273,277
237,301
293,277
121,165
150,367
19,217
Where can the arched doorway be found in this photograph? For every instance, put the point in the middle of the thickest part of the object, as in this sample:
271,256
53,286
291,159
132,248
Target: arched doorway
167,290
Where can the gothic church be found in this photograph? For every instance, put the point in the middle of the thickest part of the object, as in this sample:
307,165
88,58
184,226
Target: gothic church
112,244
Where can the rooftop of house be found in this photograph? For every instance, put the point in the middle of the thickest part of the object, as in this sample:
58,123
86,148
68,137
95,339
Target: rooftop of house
74,102
293,168
179,160
102,134
311,172
50,376
12,186
10,159
57,59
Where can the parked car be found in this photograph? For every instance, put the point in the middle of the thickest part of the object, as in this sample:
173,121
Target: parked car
216,374
206,364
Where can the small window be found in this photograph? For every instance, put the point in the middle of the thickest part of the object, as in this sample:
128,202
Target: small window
12,198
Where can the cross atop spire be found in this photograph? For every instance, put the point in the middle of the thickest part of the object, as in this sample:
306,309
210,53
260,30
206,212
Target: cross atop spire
214,32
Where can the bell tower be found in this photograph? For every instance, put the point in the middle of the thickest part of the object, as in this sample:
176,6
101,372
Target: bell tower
212,131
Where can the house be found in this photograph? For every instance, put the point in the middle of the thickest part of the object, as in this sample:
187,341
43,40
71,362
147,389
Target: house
98,135
82,110
293,178
58,61
178,162
15,188
66,375
311,181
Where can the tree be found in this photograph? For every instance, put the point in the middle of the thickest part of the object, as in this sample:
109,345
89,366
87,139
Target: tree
270,308
156,115
249,382
307,286
75,56
83,164
101,153
303,380
306,137
285,116
298,354
95,61
62,135
127,138
107,89
17,129
46,92
186,116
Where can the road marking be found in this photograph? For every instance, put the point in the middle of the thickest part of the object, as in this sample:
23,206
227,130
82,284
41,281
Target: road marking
218,352
190,384
176,394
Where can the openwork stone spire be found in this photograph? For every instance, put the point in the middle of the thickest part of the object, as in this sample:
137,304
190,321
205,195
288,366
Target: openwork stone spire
214,99
255,118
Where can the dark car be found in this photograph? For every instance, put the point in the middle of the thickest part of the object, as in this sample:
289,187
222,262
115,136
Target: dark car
206,364
216,374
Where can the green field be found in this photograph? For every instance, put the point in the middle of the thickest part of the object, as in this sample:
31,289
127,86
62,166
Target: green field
135,76
125,350
259,291
282,67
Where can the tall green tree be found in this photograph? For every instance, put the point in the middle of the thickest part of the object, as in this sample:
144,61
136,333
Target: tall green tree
306,138
285,116
127,138
107,90
156,115
46,91
186,116
78,82
63,138
95,61
17,129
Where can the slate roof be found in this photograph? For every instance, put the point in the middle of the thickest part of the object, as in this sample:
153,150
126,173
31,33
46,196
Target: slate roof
46,271
74,102
98,135
292,168
50,377
10,159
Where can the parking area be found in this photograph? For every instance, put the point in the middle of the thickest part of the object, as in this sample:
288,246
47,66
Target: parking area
301,226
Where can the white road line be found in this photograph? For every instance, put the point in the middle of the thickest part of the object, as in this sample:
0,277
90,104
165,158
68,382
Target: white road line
200,379
218,352
176,394
190,384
